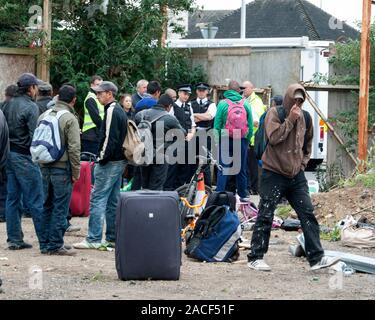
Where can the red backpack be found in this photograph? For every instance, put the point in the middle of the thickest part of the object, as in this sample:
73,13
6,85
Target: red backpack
237,119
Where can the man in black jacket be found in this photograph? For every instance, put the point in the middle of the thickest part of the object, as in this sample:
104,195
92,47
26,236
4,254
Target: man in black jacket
154,175
4,151
10,92
24,177
108,173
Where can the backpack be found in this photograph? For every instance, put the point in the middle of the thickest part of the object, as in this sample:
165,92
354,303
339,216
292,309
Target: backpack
222,198
133,145
46,144
145,155
261,140
216,235
237,119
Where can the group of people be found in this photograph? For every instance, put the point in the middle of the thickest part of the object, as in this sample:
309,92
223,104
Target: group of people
45,189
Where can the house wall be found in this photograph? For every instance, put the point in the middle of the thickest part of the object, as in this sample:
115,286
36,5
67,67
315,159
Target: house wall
275,67
340,101
13,63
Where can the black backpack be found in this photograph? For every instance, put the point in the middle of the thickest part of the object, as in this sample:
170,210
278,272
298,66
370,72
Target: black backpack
222,199
261,140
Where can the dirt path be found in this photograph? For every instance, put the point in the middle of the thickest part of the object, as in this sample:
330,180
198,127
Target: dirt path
92,275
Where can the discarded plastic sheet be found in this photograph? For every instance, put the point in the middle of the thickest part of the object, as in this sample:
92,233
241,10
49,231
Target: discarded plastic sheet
358,263
361,238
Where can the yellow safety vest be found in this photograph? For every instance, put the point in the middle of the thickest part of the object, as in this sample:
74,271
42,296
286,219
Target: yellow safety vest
87,122
257,105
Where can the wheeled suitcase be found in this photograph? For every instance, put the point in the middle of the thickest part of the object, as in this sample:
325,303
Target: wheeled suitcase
148,236
80,202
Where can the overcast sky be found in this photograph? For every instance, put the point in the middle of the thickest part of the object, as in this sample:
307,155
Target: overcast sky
346,10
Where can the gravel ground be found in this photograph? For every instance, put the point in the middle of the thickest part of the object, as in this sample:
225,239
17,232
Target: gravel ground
92,275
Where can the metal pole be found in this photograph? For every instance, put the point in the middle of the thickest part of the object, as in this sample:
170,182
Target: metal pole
364,84
243,20
47,28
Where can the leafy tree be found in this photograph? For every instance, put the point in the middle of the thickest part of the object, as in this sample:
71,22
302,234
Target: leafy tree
121,42
346,62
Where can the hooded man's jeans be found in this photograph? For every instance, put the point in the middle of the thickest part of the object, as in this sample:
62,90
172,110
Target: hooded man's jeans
273,187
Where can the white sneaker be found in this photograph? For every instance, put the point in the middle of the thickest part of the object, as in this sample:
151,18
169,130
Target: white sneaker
324,263
259,265
87,245
72,228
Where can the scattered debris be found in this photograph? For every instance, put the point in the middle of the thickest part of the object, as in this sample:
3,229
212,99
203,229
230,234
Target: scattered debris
296,251
291,225
4,259
356,262
342,267
355,235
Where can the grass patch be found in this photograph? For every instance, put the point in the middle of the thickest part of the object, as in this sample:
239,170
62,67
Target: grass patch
368,180
283,212
334,235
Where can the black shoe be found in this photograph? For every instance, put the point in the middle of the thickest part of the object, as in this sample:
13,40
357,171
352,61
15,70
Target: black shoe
2,220
63,252
67,247
44,251
24,245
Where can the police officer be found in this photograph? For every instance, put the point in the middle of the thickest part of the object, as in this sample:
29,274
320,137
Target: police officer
204,114
94,114
180,173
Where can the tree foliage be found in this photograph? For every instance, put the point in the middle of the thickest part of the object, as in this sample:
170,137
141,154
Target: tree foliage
346,62
120,43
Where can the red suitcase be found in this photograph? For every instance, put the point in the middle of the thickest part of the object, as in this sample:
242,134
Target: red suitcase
80,202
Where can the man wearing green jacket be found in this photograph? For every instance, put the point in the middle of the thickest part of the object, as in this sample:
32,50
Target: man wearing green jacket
233,147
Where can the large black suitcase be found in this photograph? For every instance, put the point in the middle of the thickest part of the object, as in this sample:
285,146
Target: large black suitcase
148,236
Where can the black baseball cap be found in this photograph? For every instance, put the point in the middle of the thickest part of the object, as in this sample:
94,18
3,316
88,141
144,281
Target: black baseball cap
27,80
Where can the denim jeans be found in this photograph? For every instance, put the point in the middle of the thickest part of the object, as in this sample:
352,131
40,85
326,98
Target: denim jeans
241,177
273,187
24,179
3,195
57,185
104,198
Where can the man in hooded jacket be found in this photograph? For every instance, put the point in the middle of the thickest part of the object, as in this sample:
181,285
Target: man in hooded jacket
284,161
